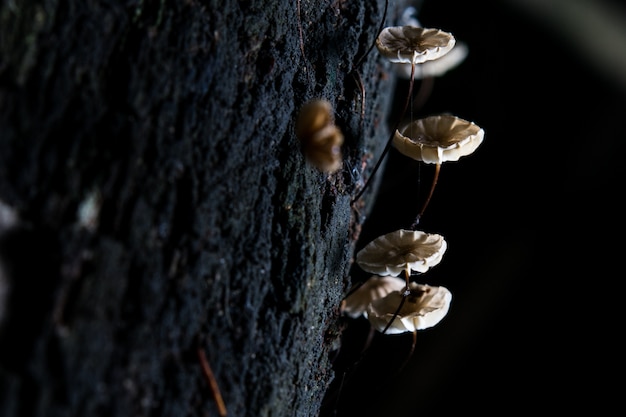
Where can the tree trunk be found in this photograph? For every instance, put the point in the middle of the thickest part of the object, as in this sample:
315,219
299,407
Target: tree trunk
155,205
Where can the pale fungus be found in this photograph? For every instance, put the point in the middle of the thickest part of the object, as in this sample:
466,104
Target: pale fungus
319,137
437,139
413,45
421,307
402,250
431,68
355,304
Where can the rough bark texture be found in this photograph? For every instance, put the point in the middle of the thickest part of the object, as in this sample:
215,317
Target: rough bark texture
163,204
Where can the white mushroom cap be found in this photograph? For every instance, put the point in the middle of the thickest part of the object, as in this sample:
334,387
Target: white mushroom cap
437,139
394,252
410,44
374,288
424,307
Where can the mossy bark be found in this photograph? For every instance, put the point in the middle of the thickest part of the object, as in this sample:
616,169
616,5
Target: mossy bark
163,204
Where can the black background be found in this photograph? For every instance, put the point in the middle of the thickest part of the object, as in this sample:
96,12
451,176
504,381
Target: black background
533,221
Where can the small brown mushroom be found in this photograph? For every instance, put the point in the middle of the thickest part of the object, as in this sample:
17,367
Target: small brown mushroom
424,306
402,250
319,137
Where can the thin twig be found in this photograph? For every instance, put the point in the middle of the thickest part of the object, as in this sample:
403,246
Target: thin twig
208,373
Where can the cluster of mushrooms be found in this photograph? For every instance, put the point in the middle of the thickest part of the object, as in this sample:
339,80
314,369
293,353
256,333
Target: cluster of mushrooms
394,304
391,303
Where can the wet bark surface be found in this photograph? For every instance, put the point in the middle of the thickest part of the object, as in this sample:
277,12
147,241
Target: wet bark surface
154,202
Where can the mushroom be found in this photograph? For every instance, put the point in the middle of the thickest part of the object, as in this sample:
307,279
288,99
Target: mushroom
418,307
432,68
437,139
413,45
356,303
421,307
319,137
402,250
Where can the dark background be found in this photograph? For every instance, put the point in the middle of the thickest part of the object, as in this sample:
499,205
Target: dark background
533,221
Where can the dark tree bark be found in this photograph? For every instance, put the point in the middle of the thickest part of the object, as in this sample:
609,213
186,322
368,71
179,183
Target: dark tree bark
154,202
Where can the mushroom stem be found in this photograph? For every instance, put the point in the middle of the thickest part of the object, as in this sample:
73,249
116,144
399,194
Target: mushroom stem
430,194
368,341
390,140
424,91
407,274
395,314
408,356
405,293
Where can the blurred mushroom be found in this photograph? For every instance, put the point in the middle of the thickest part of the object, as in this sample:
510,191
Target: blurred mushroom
355,304
320,139
437,139
402,250
422,307
435,68
408,17
8,217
